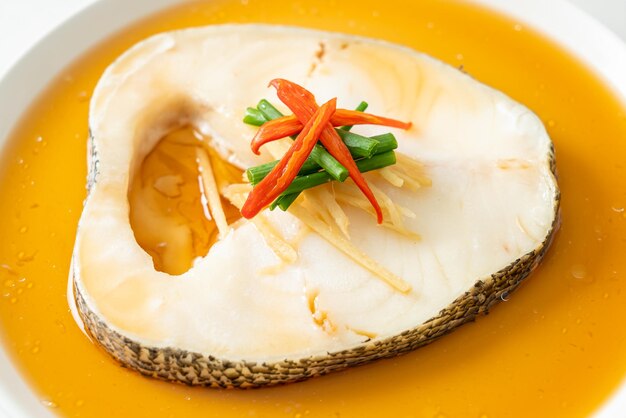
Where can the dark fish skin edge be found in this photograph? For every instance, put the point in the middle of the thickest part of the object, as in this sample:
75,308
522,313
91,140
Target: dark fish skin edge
196,369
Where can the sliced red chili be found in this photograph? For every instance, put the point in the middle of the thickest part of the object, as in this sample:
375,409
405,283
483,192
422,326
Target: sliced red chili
288,167
275,129
302,103
290,125
354,117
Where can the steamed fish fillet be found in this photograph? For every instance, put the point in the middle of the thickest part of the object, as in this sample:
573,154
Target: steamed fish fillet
484,223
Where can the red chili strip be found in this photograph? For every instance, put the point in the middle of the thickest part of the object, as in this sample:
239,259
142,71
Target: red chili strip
275,129
290,125
302,103
288,167
354,117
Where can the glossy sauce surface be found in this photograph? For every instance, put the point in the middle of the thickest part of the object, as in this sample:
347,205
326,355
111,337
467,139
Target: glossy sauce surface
169,213
556,348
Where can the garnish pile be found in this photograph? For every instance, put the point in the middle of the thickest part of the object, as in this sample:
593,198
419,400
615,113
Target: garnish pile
338,155
323,154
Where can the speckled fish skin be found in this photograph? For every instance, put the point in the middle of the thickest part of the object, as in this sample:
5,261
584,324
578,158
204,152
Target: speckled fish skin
485,223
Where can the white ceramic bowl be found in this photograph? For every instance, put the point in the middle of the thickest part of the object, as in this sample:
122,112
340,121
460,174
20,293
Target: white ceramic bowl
572,29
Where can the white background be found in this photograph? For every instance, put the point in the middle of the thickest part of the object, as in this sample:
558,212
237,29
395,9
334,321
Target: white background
23,22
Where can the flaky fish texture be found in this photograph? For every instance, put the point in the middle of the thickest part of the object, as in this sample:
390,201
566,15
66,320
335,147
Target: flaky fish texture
233,320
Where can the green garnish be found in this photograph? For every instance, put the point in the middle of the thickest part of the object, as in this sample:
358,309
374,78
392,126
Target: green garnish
308,181
370,153
385,142
319,153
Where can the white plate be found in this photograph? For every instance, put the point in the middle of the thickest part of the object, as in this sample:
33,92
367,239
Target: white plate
573,29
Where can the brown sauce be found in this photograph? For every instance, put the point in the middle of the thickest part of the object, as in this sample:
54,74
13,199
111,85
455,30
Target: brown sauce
168,210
